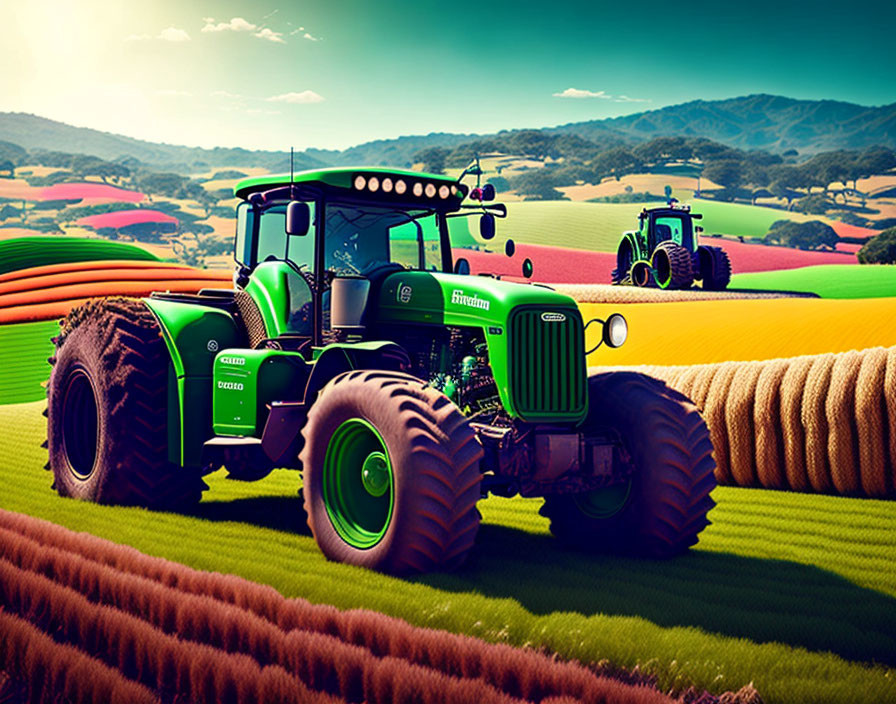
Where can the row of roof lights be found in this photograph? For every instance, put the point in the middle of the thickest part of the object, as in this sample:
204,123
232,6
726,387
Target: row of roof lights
400,187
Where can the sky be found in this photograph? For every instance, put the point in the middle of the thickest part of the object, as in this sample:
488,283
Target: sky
331,74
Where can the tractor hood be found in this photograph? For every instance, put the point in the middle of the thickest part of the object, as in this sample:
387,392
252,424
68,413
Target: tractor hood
462,300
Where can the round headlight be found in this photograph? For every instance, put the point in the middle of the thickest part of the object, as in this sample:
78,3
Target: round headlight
430,190
400,187
444,192
387,185
615,330
418,189
360,182
373,184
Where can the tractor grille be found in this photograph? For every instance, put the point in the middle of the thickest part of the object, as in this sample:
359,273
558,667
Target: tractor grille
547,364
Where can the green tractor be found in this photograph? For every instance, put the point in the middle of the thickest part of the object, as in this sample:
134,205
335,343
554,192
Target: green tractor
663,252
355,349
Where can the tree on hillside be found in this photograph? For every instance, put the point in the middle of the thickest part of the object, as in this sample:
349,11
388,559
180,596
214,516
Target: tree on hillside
616,162
161,184
728,173
536,185
433,159
880,249
12,152
802,235
7,168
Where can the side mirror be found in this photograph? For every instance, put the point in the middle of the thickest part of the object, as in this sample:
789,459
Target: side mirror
462,267
487,226
298,218
509,248
698,229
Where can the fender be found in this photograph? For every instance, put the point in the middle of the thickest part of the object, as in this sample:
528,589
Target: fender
193,334
333,360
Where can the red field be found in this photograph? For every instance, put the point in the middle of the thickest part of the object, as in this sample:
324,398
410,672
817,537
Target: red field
553,264
758,257
123,218
75,191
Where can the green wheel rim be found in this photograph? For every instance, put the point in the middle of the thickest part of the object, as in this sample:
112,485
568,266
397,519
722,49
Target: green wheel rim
606,502
358,484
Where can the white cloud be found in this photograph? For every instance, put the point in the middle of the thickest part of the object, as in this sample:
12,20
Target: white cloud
236,24
270,35
602,94
306,96
172,34
308,36
578,93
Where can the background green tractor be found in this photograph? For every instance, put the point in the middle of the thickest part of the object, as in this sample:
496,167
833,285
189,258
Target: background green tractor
663,252
352,350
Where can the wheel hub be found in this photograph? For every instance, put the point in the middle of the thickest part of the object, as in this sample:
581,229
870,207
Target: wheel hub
375,474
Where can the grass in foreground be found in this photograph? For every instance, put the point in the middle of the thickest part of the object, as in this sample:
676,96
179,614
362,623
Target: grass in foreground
828,281
795,593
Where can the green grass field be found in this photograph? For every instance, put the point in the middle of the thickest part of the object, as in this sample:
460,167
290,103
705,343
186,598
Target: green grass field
24,349
796,593
598,226
828,281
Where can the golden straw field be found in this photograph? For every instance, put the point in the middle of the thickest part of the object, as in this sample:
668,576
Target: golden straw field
705,332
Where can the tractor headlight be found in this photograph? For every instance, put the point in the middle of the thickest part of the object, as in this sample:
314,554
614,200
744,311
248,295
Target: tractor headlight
615,331
418,189
444,192
401,187
430,190
360,183
387,185
373,184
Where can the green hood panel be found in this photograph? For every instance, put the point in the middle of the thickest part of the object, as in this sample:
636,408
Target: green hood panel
454,299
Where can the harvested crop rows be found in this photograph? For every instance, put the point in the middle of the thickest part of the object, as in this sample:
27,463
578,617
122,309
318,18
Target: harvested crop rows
823,423
173,632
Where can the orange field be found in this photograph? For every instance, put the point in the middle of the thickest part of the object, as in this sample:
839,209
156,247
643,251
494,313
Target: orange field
718,331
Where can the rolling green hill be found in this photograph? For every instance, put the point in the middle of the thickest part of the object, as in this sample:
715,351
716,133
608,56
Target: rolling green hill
830,281
25,252
794,592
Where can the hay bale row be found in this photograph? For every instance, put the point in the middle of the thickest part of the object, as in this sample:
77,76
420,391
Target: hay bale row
819,423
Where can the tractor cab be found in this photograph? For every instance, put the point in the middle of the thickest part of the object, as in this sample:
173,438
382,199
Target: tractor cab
669,224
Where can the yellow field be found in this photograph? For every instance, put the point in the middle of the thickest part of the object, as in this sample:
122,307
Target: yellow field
719,331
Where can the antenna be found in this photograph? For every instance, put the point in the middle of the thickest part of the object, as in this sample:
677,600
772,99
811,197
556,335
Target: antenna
291,171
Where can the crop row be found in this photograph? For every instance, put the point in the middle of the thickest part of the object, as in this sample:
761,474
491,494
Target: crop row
824,423
210,637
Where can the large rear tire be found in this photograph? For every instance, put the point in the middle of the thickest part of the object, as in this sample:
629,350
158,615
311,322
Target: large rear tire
108,410
714,267
661,510
624,260
673,266
390,474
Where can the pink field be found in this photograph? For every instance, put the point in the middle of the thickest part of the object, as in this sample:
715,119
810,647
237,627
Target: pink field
551,264
757,257
844,230
573,266
76,191
123,218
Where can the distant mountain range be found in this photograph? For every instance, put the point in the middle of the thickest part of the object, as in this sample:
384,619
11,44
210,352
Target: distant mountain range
766,122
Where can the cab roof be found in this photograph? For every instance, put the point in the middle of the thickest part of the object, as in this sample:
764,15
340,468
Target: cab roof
337,177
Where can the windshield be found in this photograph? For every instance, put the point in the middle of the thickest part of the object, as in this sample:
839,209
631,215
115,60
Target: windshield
359,238
675,228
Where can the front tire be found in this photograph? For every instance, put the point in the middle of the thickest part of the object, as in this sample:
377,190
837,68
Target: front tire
661,510
107,410
390,474
673,266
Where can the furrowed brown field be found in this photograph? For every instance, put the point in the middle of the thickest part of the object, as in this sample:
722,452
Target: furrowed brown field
146,629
